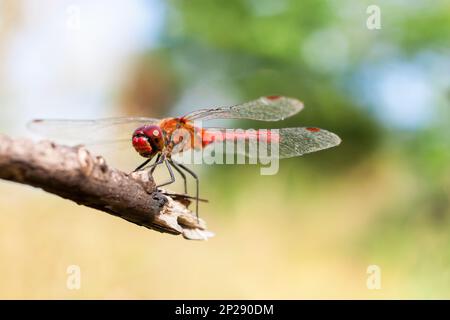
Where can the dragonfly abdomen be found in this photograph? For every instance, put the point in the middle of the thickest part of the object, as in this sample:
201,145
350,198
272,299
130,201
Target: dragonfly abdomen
219,135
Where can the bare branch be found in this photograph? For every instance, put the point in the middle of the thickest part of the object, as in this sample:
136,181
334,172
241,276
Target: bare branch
73,173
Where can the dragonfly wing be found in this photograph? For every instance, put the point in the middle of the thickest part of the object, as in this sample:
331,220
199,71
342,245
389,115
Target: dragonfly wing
278,143
272,108
89,131
298,141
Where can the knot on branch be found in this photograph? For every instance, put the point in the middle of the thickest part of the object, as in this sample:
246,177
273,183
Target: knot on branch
86,161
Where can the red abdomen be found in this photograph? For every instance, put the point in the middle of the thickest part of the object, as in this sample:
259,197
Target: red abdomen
210,135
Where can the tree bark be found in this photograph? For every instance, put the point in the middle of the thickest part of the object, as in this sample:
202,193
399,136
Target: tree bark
74,174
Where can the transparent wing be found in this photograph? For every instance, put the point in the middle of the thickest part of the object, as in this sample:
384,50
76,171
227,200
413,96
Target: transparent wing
271,108
279,143
298,141
109,137
89,131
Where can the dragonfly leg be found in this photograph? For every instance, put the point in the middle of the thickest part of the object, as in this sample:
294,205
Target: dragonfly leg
142,165
194,175
175,166
159,159
157,162
172,176
153,166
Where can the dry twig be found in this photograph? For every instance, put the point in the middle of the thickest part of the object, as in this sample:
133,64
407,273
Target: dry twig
73,173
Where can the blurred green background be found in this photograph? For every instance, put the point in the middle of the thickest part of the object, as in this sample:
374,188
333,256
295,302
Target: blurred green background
311,231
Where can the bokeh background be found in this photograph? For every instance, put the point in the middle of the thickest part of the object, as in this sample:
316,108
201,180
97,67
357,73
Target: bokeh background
312,230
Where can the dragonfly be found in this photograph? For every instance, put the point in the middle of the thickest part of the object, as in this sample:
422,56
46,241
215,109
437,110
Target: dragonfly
157,139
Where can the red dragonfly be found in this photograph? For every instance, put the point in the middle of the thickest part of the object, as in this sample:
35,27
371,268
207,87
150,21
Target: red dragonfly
156,138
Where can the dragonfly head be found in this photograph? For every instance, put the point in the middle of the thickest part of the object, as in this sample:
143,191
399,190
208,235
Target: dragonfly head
148,140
